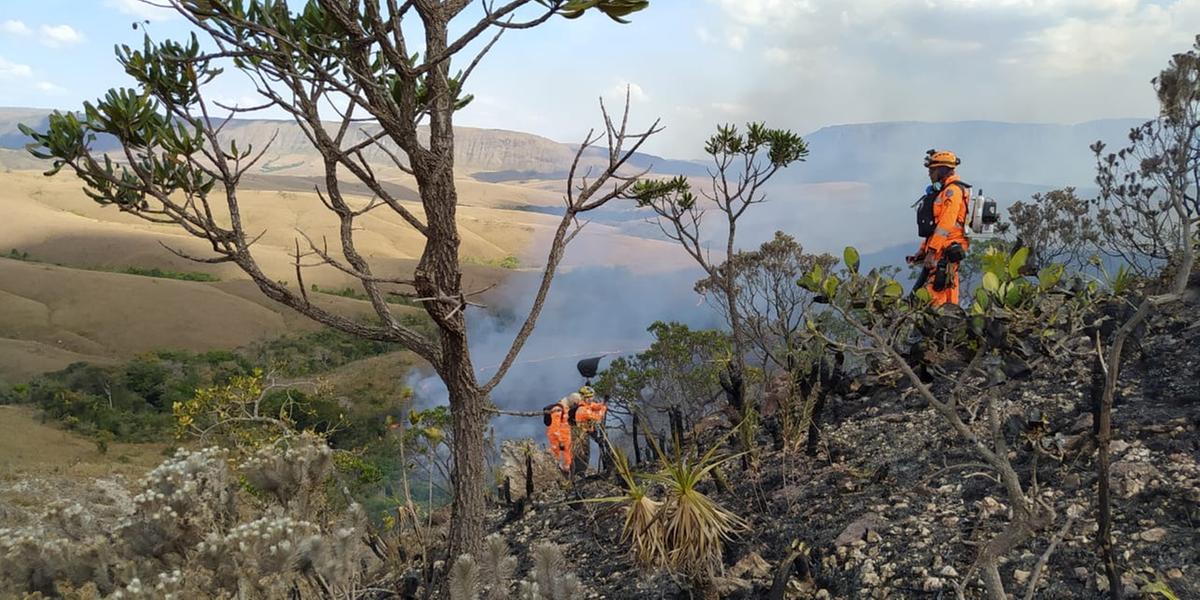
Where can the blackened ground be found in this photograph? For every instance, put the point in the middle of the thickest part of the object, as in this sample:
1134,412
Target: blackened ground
891,466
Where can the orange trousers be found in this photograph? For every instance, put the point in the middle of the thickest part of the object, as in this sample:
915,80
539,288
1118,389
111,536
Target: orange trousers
559,437
948,295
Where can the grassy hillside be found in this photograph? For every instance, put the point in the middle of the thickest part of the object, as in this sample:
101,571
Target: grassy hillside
72,298
28,443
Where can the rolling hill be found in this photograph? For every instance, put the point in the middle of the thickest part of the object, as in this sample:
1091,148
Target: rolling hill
72,303
496,155
70,300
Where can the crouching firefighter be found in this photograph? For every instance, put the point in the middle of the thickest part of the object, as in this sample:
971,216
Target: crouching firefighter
941,223
576,410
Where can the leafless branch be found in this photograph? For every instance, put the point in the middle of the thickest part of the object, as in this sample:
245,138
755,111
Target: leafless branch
582,203
1031,591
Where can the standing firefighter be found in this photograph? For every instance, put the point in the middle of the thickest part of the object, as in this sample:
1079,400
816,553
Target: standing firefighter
941,223
577,410
588,415
557,417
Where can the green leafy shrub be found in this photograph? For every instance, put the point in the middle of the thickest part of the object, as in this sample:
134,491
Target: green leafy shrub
164,274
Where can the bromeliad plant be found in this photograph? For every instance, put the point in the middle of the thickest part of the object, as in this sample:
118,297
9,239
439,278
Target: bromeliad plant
642,528
695,527
686,531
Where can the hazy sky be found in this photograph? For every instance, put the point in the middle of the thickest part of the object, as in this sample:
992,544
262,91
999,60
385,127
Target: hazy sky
800,64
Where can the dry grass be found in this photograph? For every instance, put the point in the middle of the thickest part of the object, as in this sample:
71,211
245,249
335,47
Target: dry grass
21,360
51,316
29,446
41,464
110,314
52,220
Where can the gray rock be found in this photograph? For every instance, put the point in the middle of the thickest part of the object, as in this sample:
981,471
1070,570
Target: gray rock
1154,535
858,529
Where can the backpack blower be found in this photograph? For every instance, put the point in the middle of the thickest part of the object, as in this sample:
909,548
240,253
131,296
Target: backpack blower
984,217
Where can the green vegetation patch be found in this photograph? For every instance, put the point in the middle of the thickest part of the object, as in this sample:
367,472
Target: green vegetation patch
349,292
132,401
162,274
16,254
508,262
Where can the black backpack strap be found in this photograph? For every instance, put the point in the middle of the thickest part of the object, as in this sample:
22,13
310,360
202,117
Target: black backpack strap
966,192
547,413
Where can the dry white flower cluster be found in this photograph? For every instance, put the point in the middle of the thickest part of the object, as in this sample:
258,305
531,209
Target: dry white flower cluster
37,557
169,586
182,500
546,580
264,557
292,475
186,534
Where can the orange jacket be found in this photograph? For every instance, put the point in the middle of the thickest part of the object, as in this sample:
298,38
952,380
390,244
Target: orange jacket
950,212
559,414
590,413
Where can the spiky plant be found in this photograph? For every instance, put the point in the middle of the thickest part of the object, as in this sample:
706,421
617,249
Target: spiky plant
464,579
568,587
528,590
642,530
497,566
694,527
548,580
547,566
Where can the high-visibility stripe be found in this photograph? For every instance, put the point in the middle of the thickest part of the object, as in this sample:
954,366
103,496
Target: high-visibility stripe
942,232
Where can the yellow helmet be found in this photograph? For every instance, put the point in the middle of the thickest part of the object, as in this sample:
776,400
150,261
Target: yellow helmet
587,392
941,158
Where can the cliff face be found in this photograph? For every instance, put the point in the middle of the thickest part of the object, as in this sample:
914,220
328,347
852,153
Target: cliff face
475,150
1034,155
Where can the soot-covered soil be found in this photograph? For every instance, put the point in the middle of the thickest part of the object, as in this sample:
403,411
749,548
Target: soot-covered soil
895,504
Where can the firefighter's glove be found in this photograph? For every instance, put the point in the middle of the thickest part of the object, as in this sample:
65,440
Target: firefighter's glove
955,253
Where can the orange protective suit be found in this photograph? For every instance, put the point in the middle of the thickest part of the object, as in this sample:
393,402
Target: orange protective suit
950,212
566,414
589,414
558,433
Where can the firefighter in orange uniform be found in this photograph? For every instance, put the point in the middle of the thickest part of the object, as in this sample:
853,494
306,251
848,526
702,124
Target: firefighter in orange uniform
590,412
941,222
557,417
577,410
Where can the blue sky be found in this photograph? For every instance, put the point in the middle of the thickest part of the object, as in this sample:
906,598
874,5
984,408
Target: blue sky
800,64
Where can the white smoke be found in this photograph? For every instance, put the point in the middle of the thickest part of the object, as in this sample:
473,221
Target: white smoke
590,311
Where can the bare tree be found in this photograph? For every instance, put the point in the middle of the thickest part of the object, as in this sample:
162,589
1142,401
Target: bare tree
1150,190
1150,194
383,69
742,165
774,311
1058,227
772,307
